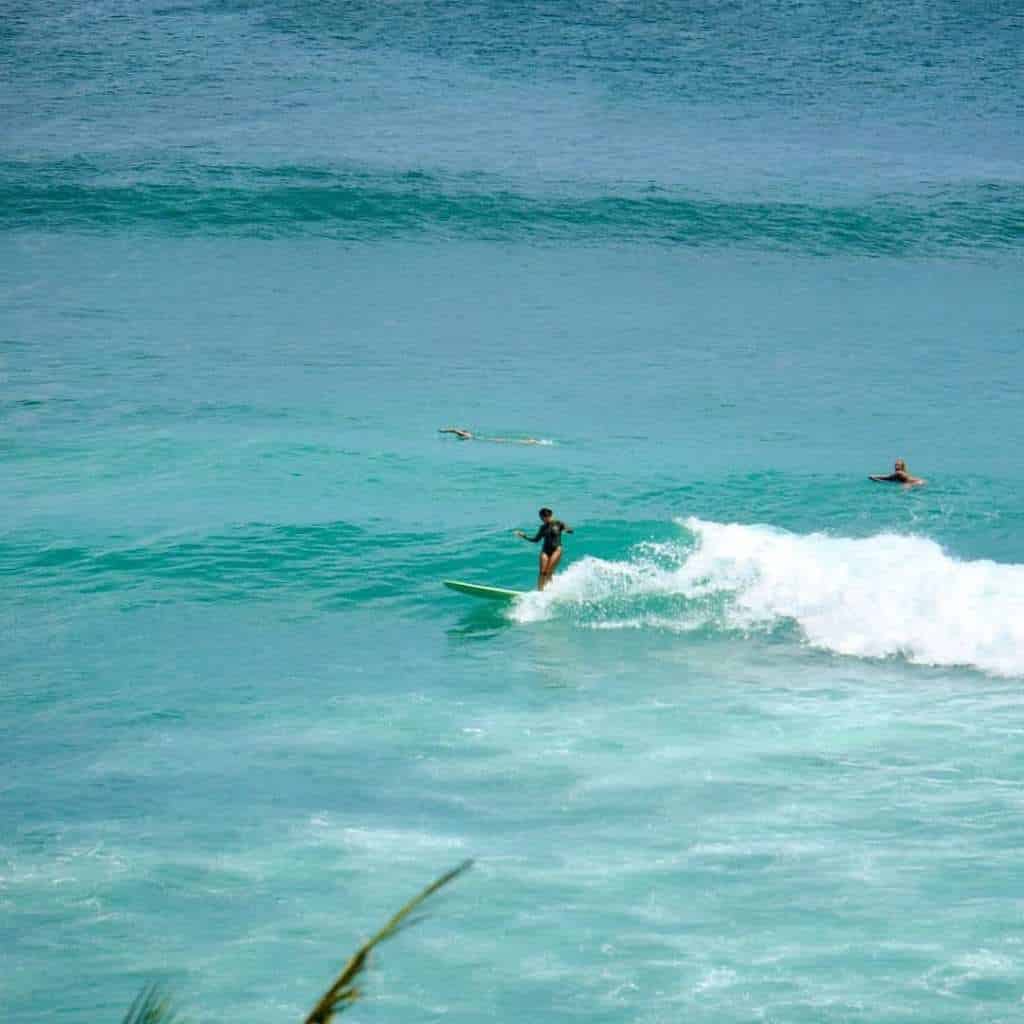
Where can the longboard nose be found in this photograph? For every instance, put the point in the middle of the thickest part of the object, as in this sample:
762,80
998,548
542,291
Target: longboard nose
479,590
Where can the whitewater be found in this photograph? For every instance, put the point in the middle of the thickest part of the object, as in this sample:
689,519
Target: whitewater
872,597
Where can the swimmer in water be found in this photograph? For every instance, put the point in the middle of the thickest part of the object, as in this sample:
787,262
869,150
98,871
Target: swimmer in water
468,435
899,475
550,532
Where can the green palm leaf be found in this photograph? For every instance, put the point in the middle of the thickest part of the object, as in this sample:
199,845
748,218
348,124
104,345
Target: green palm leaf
343,993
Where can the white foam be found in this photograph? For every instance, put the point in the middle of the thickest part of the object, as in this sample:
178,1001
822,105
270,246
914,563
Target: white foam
871,597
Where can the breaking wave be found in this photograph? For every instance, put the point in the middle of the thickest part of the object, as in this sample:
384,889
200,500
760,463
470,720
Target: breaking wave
875,597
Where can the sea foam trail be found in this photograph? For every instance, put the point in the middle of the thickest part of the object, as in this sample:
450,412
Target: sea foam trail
873,597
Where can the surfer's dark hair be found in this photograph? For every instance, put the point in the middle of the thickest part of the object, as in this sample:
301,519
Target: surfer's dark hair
545,512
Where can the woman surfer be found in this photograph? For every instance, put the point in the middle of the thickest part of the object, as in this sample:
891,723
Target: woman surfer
550,532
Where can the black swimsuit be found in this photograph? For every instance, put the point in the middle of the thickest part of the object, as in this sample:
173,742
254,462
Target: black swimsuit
551,533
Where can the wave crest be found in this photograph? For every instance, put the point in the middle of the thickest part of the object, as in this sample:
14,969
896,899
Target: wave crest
365,205
873,597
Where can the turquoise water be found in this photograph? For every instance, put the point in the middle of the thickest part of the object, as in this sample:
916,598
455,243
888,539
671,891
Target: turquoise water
756,753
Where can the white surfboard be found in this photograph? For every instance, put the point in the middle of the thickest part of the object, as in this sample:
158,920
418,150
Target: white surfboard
479,590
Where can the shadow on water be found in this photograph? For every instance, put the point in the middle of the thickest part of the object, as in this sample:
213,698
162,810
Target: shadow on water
481,621
554,663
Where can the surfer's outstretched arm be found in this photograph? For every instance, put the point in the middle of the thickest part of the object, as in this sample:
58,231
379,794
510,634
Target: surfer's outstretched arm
899,478
463,435
907,481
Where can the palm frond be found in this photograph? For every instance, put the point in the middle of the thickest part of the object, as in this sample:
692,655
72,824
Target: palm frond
150,1007
343,993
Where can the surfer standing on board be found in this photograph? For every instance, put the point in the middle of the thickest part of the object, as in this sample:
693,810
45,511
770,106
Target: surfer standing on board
550,532
899,475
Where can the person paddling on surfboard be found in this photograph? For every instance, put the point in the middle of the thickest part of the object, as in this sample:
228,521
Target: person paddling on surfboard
468,435
550,532
899,475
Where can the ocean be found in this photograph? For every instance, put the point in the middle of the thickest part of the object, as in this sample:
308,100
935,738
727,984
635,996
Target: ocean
755,755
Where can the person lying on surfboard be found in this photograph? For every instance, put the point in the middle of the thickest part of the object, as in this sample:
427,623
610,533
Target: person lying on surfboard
899,475
468,435
550,532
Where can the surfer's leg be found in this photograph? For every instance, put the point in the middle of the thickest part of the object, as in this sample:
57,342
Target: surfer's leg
542,573
553,559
